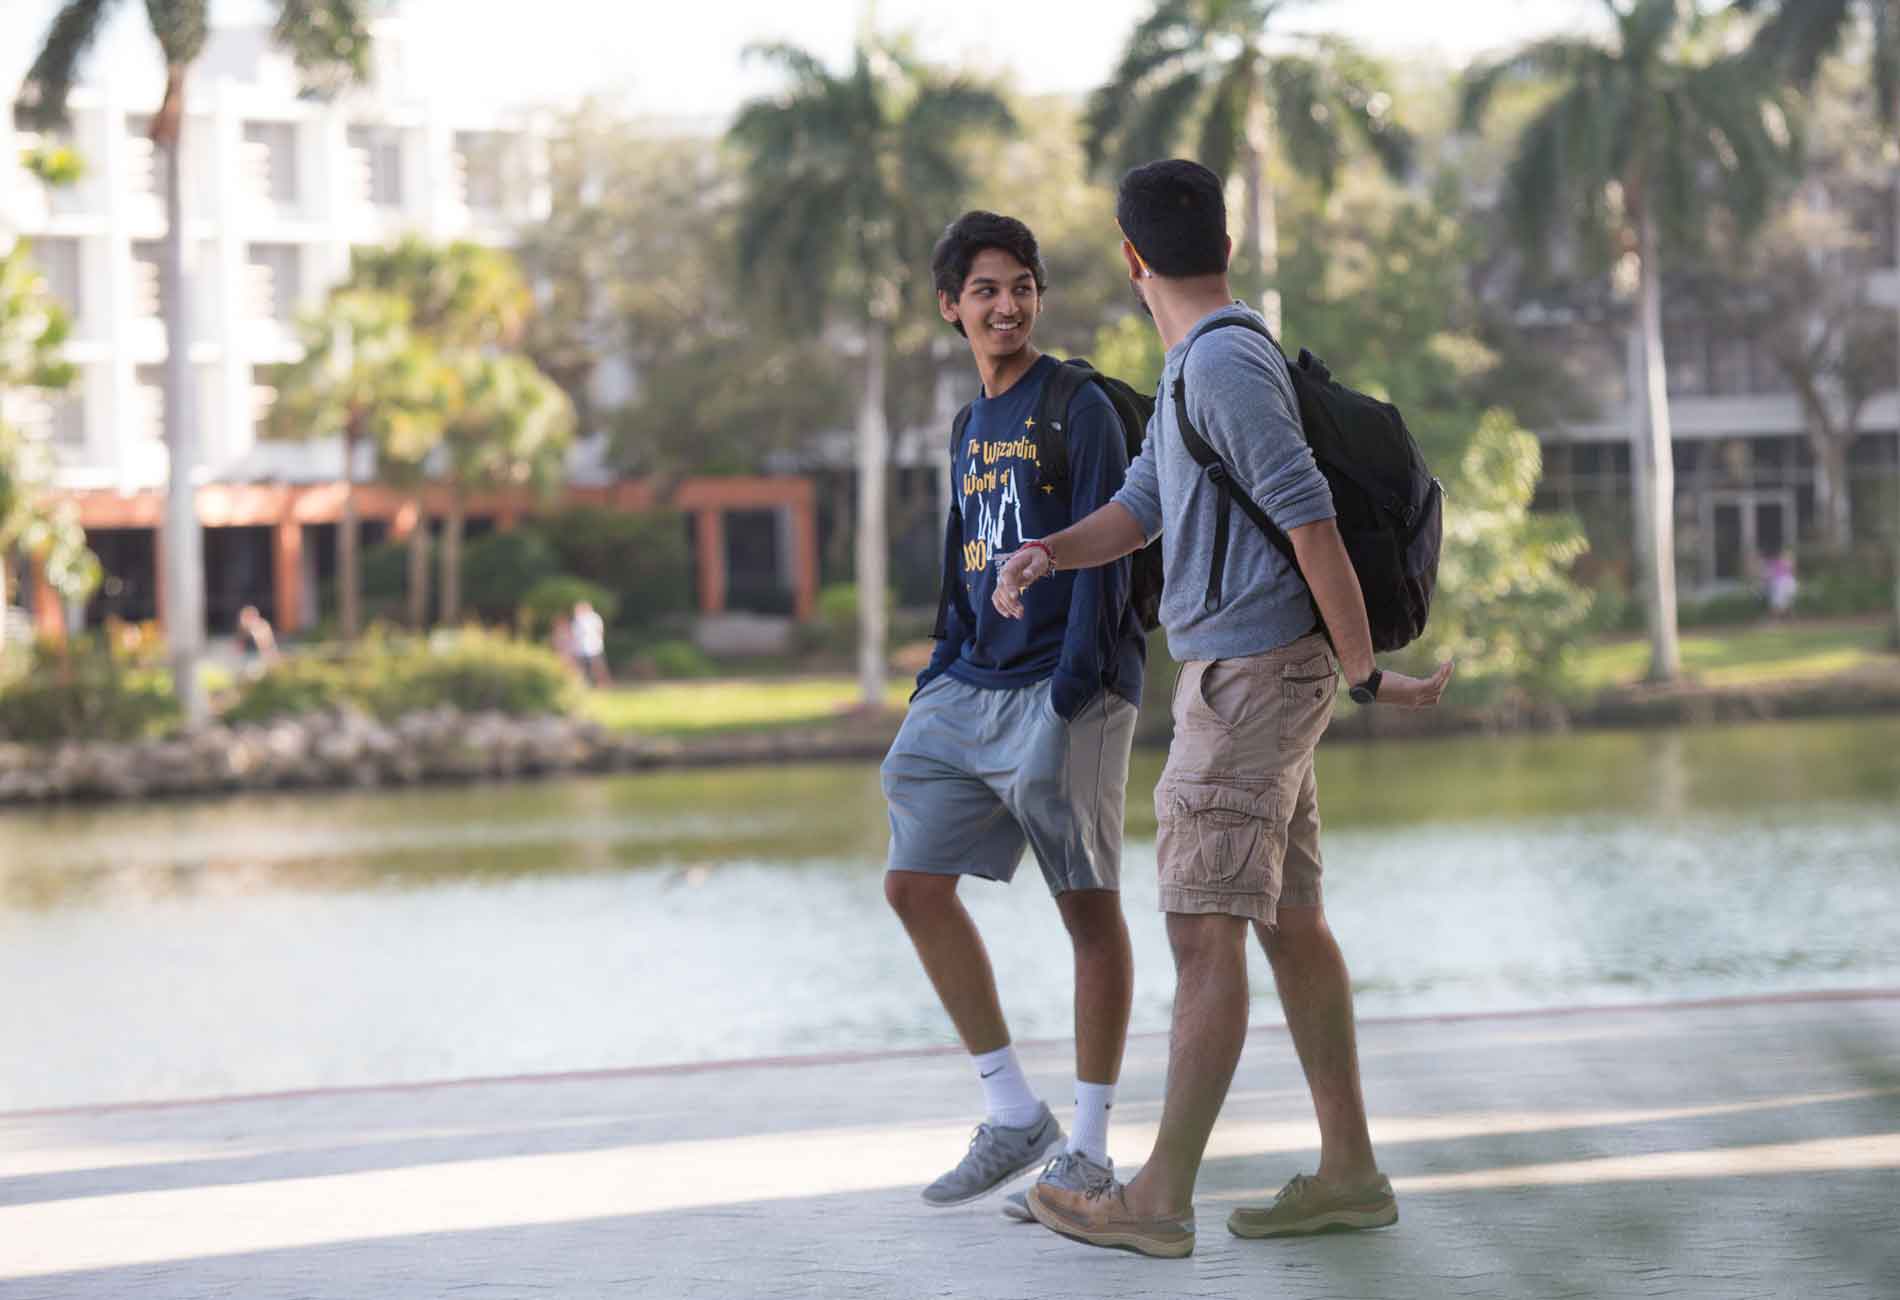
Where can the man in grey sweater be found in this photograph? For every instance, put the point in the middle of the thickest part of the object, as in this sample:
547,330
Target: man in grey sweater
1238,806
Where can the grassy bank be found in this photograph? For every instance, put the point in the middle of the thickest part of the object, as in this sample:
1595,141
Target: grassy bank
1740,658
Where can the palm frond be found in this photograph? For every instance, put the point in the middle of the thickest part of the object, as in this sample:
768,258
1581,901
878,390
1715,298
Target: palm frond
1355,88
1542,61
1308,133
805,69
328,40
1800,34
1169,36
74,28
181,28
1160,119
1224,122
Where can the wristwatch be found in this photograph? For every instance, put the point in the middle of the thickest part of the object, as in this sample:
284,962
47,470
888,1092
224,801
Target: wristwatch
1367,691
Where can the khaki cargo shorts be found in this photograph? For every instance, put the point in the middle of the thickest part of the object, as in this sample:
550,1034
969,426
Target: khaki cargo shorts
1237,802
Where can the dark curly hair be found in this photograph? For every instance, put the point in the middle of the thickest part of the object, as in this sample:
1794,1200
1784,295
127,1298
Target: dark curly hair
1175,215
969,235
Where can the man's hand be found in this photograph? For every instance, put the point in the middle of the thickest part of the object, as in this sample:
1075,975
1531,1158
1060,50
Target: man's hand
1414,692
1028,565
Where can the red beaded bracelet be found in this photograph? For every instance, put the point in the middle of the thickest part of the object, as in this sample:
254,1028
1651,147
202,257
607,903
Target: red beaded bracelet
1044,548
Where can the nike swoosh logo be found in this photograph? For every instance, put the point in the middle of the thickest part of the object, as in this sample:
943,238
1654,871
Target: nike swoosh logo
1037,1135
997,1070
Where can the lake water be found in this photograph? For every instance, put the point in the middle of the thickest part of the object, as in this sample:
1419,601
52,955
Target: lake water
259,944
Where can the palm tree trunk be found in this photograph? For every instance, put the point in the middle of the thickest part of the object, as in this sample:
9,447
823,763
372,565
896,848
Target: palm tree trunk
349,575
1263,236
873,436
184,610
1896,400
452,558
1658,467
419,569
1636,372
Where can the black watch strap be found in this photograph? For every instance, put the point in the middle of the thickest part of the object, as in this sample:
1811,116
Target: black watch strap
1367,691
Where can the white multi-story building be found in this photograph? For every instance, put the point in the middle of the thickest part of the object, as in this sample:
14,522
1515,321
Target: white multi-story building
278,188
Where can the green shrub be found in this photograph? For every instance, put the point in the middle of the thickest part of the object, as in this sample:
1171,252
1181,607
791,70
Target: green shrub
1839,592
291,687
558,595
837,622
500,569
642,558
470,672
1728,608
84,695
676,659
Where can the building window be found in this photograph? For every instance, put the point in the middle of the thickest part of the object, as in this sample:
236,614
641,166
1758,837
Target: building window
376,161
148,402
1740,528
147,279
273,282
263,394
141,157
270,162
480,164
58,260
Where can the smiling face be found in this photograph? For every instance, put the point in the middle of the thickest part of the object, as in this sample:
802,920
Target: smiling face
998,306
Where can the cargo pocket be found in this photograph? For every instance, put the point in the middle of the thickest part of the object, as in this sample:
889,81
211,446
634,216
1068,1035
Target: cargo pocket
1306,702
1215,836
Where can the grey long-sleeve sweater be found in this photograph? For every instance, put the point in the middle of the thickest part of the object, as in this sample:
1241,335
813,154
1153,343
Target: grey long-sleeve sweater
1241,401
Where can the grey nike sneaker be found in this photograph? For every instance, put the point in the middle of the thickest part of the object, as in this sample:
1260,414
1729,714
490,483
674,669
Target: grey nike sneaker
1070,1169
996,1155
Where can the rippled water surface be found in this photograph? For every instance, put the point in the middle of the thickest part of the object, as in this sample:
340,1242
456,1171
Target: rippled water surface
290,942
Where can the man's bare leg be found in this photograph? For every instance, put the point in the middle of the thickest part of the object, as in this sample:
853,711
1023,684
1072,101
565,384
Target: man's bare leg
1210,1027
1316,994
1104,980
952,952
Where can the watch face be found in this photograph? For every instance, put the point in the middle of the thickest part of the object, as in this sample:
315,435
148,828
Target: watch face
1361,695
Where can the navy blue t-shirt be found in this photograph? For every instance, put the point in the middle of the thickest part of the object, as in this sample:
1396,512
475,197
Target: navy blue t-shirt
1077,625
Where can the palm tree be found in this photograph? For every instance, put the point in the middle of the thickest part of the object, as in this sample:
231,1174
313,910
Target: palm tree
510,427
1641,137
847,180
464,299
329,40
1206,64
364,374
1793,40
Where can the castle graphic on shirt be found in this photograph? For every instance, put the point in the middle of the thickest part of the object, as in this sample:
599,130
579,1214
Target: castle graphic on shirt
992,497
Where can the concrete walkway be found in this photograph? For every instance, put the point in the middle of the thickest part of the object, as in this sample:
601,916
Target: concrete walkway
1735,1150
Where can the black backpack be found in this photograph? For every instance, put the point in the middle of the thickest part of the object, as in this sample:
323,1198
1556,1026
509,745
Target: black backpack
1390,510
1132,409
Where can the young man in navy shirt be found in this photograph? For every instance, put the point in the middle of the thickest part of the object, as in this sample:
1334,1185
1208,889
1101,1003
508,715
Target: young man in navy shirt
1019,732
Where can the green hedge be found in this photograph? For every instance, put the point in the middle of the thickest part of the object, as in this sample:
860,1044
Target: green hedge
467,670
86,696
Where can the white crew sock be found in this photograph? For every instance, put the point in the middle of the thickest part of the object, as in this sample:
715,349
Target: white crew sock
1089,1133
1005,1089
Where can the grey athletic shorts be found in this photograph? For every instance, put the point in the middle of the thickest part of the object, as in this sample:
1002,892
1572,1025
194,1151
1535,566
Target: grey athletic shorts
975,774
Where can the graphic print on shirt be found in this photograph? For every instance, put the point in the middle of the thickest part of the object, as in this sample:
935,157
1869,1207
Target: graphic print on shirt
992,496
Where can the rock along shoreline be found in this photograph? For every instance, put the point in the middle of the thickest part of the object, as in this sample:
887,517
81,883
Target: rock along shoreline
343,749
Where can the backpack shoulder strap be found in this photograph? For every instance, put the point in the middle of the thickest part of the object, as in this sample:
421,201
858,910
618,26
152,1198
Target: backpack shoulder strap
1217,473
952,529
1052,418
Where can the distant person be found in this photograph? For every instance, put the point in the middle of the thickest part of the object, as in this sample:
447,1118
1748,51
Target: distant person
1238,804
1778,583
1019,732
256,643
590,643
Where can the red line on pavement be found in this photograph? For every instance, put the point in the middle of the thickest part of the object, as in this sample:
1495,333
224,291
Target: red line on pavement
898,1054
